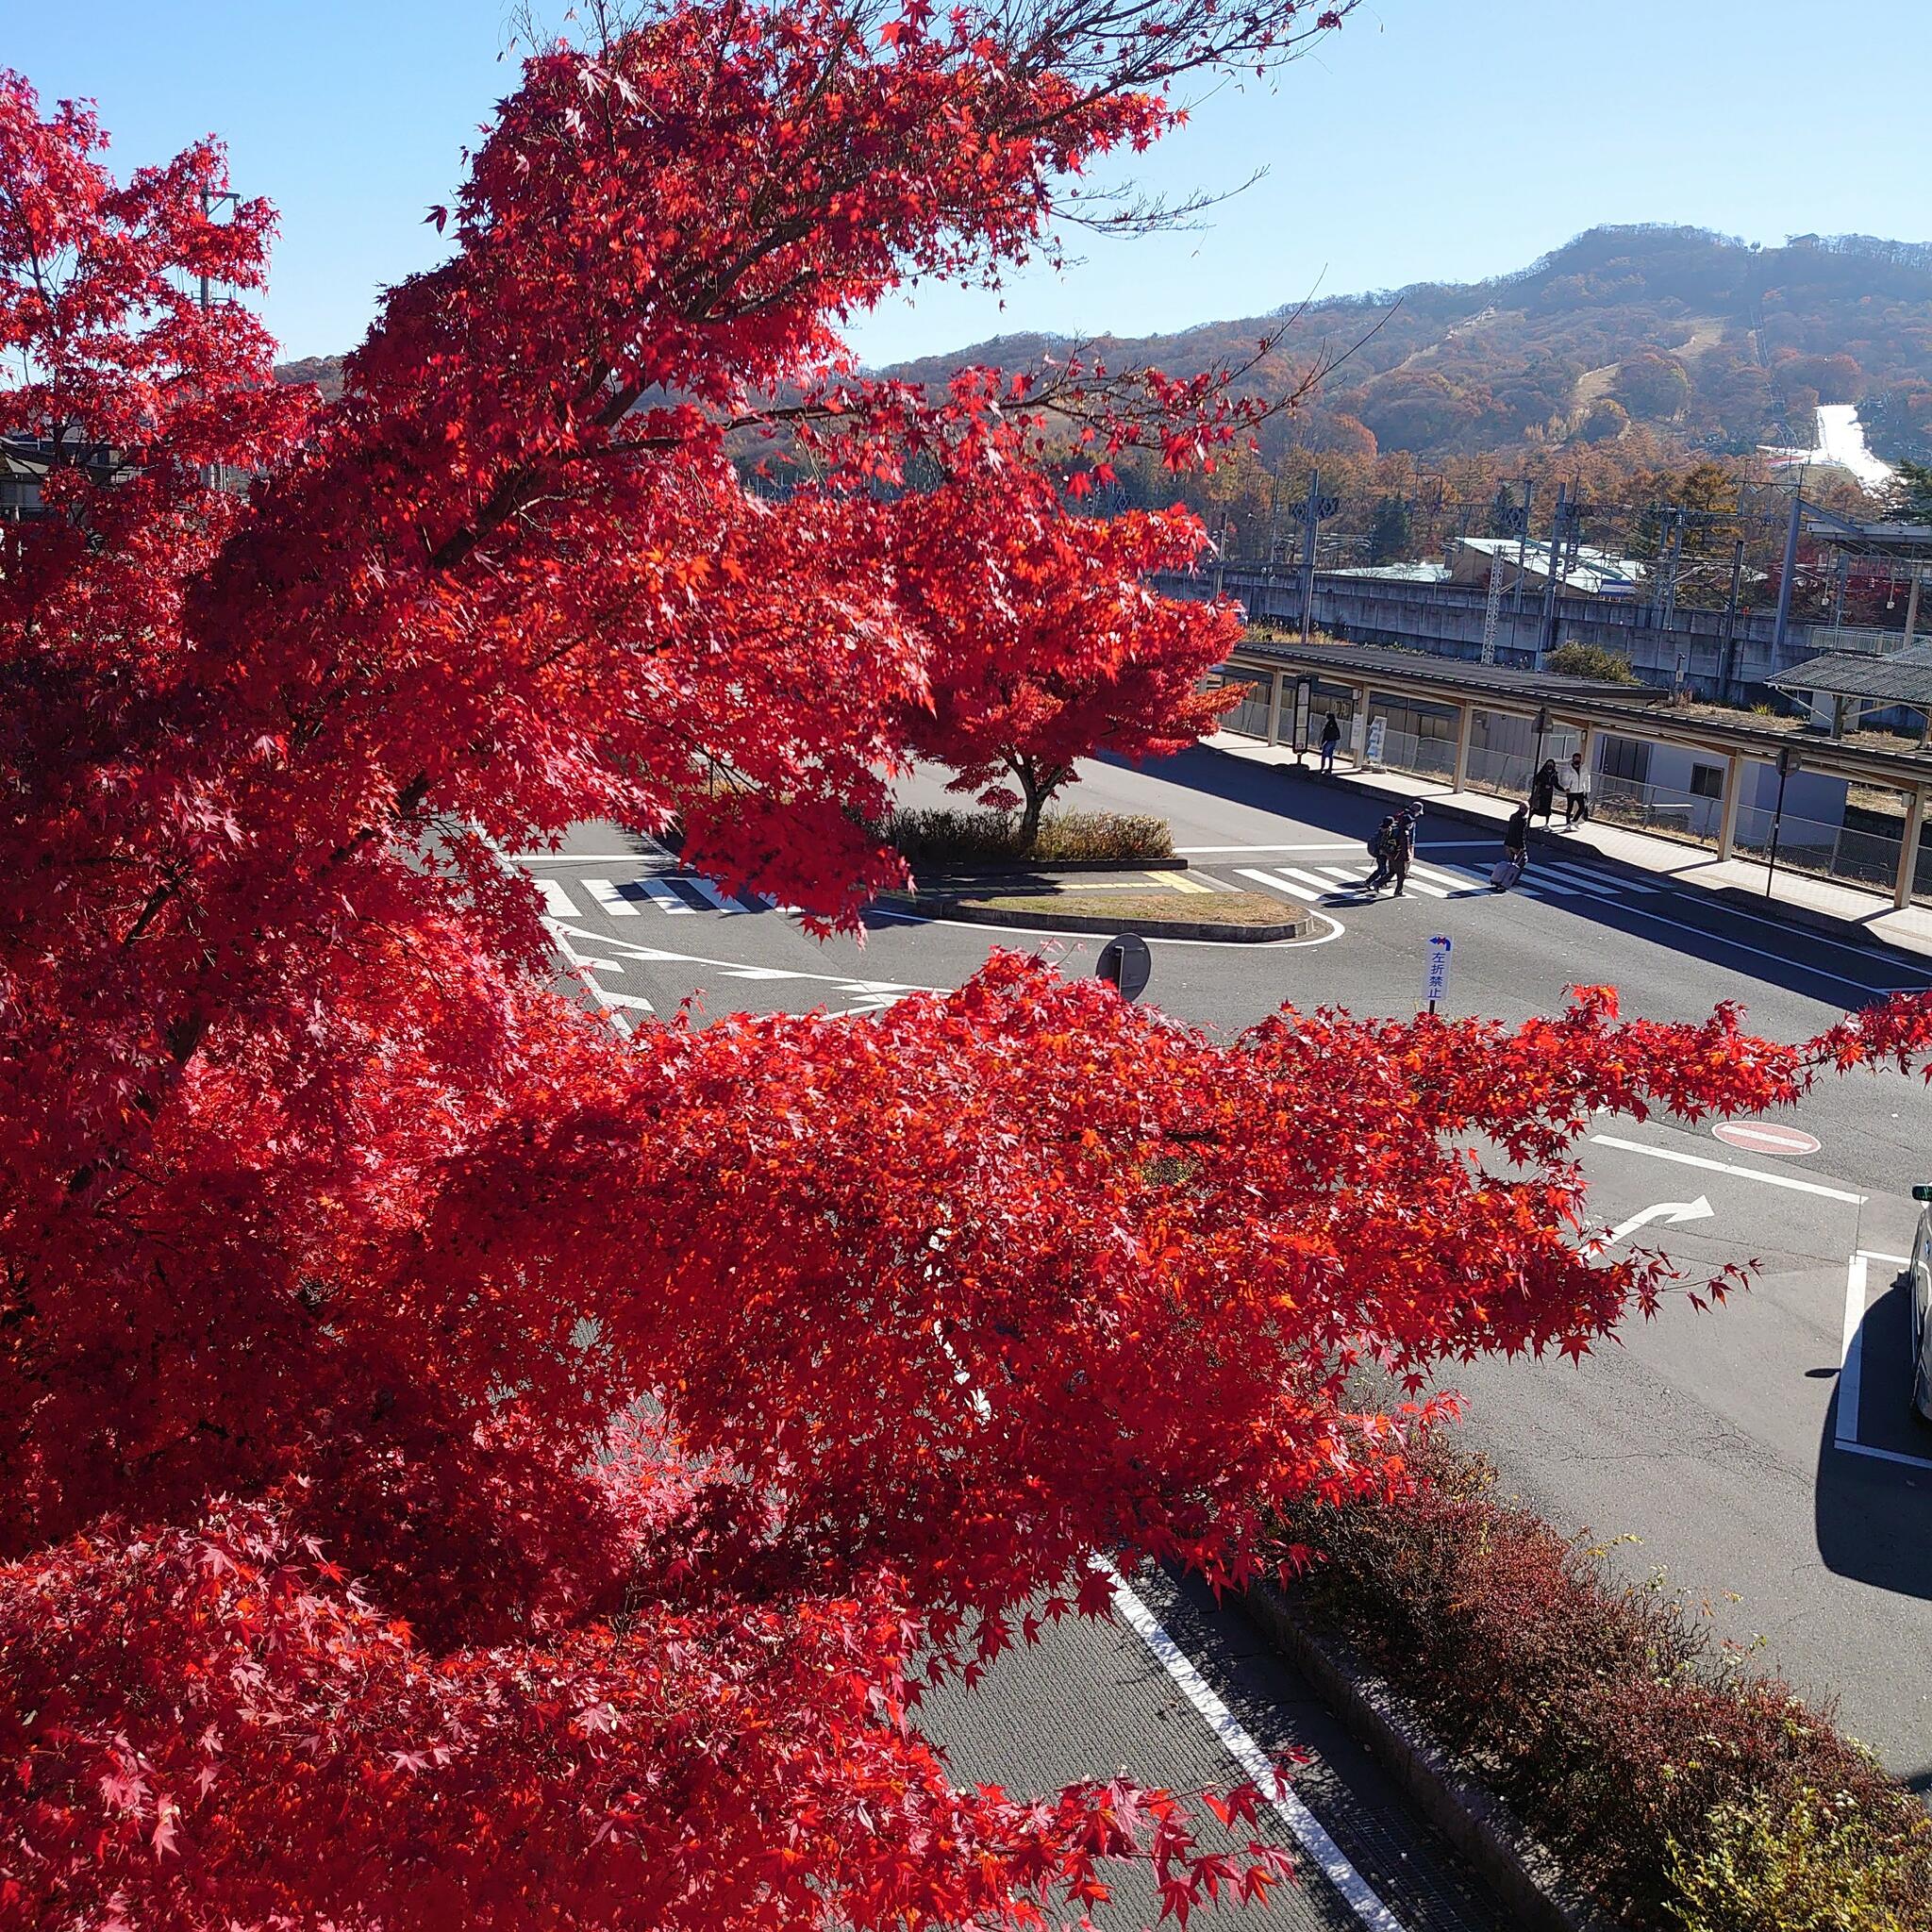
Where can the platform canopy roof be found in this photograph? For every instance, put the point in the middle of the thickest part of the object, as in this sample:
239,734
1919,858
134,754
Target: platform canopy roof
1498,680
1903,678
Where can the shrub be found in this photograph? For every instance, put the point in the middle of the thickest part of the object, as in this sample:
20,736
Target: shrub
941,836
1590,661
1818,1865
1600,1715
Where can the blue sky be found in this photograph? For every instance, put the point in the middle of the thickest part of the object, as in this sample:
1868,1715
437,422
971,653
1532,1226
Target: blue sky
1429,139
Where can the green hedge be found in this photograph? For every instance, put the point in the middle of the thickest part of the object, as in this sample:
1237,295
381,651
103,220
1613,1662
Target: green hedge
938,837
1679,1791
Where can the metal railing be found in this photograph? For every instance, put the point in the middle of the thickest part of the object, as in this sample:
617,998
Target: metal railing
1427,756
1853,855
1866,640
1668,811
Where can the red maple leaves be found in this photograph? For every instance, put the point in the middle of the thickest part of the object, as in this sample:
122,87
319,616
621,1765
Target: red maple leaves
463,1468
1048,643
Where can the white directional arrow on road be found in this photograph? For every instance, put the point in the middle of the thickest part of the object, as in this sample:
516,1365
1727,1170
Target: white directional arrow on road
1670,1212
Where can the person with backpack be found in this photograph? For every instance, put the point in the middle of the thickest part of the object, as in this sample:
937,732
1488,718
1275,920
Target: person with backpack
1331,736
1382,844
1399,860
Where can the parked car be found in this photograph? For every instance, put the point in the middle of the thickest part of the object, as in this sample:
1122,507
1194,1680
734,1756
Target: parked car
1921,1307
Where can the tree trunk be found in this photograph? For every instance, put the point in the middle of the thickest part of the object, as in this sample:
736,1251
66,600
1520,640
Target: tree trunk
1038,787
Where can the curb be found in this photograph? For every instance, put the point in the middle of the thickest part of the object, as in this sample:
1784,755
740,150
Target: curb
1745,900
1515,1867
1045,868
1148,928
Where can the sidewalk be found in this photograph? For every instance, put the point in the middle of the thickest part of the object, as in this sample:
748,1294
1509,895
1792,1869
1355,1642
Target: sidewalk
1820,905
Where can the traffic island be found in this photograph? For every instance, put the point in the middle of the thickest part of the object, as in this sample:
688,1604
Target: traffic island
1252,918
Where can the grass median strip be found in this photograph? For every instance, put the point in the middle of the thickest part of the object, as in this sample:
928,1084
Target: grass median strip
1137,907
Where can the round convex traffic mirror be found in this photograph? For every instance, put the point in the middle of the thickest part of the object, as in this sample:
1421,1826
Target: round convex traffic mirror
1128,964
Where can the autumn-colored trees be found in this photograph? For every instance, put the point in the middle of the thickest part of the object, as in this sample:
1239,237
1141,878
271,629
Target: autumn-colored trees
1048,643
465,1469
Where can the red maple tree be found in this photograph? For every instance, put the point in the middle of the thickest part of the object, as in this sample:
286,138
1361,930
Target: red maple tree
462,1468
1048,641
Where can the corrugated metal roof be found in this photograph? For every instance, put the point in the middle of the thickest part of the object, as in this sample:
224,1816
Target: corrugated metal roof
1903,678
1536,686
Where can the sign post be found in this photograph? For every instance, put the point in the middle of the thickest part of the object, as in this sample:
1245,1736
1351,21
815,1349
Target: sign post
1378,731
1436,977
1786,759
1126,965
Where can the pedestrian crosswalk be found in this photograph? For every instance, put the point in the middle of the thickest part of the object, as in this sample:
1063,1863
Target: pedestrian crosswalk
1434,880
673,894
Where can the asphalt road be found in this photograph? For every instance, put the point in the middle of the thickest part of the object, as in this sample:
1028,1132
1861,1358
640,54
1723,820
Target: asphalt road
1729,1450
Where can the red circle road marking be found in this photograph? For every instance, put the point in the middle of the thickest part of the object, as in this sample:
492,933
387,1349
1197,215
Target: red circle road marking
1766,1137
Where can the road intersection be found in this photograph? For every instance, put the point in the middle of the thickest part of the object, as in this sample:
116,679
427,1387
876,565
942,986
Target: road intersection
1760,1456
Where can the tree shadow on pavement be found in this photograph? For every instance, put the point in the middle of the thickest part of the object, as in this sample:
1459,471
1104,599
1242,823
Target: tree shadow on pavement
1686,921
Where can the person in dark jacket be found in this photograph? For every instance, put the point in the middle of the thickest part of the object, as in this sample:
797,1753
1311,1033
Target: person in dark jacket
1542,789
1331,736
1407,824
1382,848
1516,838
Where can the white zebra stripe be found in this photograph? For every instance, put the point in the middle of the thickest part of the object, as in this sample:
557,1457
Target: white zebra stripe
663,897
607,896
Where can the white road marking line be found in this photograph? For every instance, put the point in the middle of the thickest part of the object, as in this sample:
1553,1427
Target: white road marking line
1716,938
663,897
607,895
1549,876
1852,1364
1302,881
577,858
1669,887
1281,879
1730,1167
1450,881
1852,1355
1305,1827
606,1005
1424,886
557,902
735,969
624,999
1585,880
1883,1455
708,892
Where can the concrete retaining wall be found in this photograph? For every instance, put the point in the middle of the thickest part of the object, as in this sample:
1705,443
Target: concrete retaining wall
1447,621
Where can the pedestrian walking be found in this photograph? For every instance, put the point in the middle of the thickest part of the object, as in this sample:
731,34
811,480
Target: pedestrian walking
1515,860
1575,780
1331,736
1405,825
1542,789
1382,850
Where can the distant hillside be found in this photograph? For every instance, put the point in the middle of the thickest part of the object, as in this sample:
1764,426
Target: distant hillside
325,371
1694,337
1718,342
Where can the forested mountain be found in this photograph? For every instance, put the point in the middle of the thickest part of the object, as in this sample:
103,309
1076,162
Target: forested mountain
1697,336
1702,339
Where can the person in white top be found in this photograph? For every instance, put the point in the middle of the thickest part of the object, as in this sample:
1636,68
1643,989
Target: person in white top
1575,780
